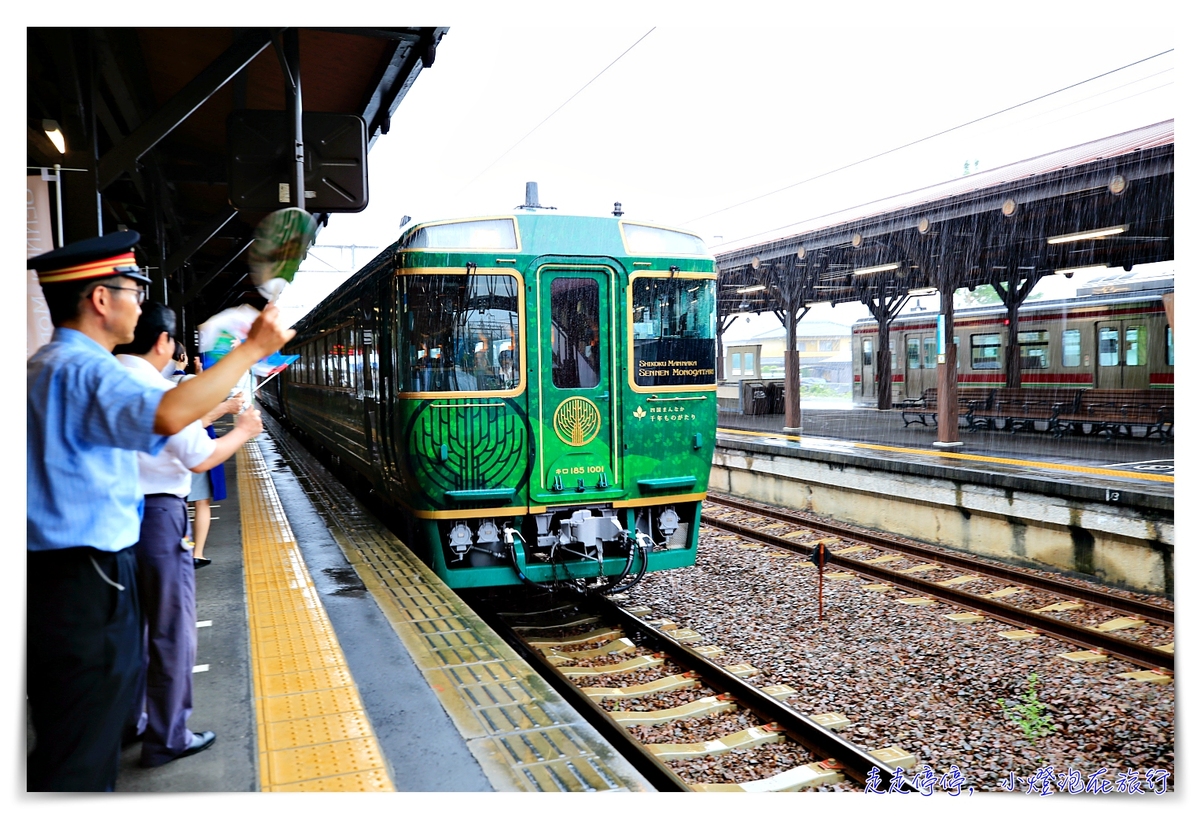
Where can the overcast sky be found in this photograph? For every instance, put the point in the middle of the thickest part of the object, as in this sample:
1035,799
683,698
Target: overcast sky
740,130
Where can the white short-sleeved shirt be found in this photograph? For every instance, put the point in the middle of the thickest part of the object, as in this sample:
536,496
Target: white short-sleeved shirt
169,471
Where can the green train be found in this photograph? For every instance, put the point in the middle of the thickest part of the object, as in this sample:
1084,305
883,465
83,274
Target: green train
531,396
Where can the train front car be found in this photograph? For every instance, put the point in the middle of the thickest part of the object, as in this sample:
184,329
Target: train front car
556,404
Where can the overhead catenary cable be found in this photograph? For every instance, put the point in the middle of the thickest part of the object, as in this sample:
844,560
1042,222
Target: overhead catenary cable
775,230
927,138
559,108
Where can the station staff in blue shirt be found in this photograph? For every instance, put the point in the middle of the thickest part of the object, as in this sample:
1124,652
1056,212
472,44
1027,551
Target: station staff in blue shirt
86,419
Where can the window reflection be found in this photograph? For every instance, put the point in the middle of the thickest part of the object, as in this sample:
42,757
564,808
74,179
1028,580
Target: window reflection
459,333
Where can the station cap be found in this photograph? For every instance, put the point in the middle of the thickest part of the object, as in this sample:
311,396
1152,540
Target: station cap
100,257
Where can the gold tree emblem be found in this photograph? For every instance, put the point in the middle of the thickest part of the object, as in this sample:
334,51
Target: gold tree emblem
576,421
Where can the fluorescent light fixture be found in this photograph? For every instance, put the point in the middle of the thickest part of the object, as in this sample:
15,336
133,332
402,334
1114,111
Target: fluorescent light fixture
881,268
54,134
924,291
1070,271
1090,234
756,288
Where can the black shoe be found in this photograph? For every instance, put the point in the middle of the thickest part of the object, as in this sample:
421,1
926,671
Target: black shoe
200,562
129,738
200,743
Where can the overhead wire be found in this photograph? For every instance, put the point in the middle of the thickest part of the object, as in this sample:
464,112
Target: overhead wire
832,213
927,138
559,108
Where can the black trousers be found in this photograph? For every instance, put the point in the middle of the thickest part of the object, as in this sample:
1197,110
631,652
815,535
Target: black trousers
84,651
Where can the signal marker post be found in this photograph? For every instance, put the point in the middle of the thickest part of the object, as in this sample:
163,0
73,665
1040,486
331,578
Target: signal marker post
817,558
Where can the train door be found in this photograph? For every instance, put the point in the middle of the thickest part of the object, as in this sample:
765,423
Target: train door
1122,354
865,364
920,363
577,325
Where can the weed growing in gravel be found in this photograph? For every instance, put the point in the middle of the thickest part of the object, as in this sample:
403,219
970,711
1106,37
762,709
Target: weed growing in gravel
1030,713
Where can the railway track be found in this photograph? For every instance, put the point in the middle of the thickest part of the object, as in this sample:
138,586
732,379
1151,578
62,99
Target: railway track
596,654
881,550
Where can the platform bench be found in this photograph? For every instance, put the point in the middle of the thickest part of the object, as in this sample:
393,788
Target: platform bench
1114,413
924,410
1020,409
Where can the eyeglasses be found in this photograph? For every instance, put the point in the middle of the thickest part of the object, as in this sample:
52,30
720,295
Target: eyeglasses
141,294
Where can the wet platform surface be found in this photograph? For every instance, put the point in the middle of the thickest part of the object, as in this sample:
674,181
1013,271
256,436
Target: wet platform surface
1028,459
330,659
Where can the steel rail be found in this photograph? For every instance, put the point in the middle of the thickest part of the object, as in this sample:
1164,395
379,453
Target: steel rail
1157,614
855,762
1123,648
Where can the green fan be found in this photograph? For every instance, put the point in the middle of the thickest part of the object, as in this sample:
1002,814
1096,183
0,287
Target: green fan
281,242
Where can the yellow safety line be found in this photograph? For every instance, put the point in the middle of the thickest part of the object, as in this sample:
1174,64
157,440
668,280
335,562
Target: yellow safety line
1160,478
313,732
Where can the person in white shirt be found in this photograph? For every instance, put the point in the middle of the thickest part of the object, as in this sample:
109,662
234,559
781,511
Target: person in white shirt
165,572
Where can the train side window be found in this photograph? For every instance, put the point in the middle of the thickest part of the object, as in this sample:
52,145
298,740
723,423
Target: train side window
957,357
868,352
985,351
1108,352
1035,349
930,350
1170,347
914,353
1135,346
1072,349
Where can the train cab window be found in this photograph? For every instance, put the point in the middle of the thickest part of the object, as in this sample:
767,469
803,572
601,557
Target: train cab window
575,332
735,365
868,352
985,351
914,353
459,333
674,320
1035,349
1072,350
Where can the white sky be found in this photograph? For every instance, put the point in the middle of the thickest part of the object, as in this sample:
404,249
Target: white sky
699,117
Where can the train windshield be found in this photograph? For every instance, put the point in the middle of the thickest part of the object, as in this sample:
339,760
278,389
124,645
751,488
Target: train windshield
460,333
644,240
481,234
674,330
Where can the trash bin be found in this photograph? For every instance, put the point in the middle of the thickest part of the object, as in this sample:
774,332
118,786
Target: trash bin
777,398
757,399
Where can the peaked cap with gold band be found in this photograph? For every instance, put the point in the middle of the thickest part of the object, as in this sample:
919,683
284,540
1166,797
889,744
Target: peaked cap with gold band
101,257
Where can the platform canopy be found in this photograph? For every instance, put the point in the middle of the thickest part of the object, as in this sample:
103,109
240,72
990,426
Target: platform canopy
145,114
1108,202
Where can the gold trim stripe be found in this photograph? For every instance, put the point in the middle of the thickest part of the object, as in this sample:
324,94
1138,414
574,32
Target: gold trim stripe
92,269
313,731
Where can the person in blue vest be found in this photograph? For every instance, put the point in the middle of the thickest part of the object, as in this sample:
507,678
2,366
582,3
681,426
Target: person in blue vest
86,419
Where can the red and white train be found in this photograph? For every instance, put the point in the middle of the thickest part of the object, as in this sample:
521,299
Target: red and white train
1095,340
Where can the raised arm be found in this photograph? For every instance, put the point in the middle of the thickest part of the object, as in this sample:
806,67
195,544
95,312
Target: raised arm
196,397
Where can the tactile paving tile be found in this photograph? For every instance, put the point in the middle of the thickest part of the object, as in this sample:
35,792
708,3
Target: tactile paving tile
521,731
313,733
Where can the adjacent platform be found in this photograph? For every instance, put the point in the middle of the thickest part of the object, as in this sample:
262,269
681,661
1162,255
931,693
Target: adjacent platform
1101,509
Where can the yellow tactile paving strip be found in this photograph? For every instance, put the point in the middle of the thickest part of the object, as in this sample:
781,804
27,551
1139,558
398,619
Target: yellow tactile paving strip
313,733
523,734
978,458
